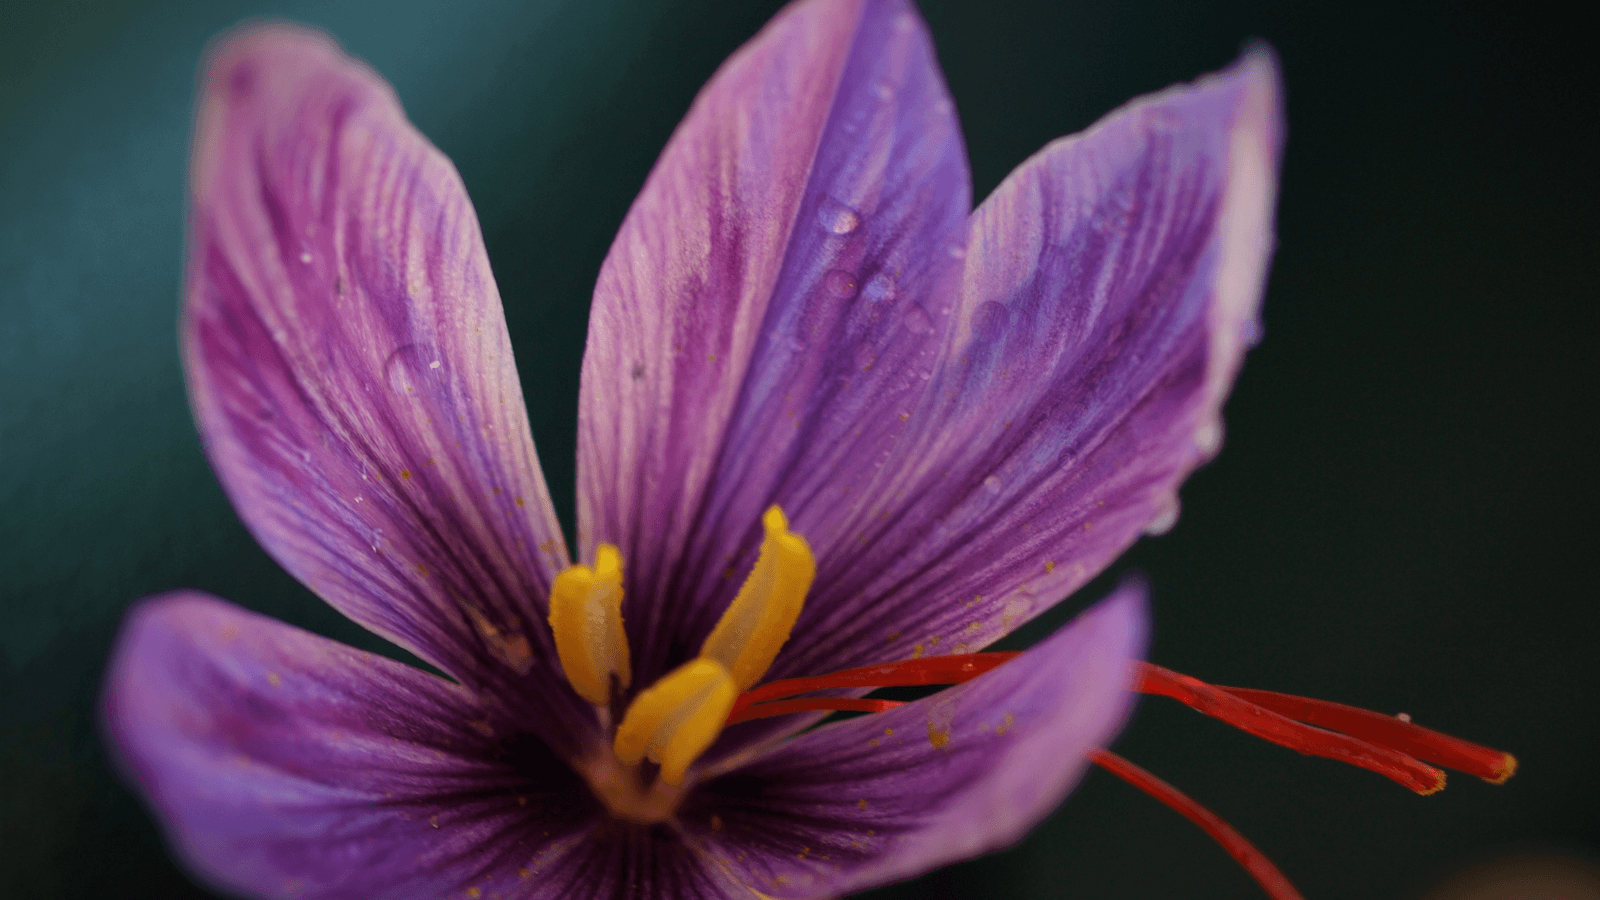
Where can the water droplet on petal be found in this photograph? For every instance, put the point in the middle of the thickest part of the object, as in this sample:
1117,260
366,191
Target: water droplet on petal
402,372
839,283
883,92
990,320
1166,517
836,218
956,251
305,257
992,484
917,320
879,288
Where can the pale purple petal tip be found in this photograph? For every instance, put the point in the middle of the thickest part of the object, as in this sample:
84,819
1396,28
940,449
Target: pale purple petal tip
350,370
283,764
1111,287
760,324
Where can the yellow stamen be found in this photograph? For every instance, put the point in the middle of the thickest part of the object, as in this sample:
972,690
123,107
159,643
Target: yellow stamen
674,720
756,625
586,617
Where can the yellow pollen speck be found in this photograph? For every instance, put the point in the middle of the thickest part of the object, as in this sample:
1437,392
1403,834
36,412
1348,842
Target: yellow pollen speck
872,743
519,501
434,821
916,651
474,893
1088,526
905,417
973,627
893,635
405,474
1005,725
1049,565
522,801
523,874
937,736
716,822
861,804
889,731
273,679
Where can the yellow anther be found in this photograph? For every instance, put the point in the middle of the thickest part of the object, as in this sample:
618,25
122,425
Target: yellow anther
756,625
586,617
676,719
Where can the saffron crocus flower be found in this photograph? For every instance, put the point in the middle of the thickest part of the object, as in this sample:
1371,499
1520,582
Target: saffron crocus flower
830,417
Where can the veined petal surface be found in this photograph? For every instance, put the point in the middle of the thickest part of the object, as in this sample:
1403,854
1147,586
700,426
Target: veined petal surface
968,770
763,323
350,370
286,765
1111,286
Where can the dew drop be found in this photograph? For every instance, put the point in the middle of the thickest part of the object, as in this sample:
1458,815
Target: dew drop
305,257
992,484
1165,518
917,320
991,319
836,218
840,284
402,372
956,251
883,92
879,288
434,364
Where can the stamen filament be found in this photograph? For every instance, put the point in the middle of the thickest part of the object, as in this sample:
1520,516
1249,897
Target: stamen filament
1268,725
1271,879
1441,749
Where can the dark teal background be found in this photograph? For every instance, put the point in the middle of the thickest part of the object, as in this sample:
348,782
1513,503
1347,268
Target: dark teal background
1404,516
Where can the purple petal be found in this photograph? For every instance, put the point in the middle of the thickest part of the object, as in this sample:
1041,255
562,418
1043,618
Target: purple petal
1112,285
963,772
283,764
757,330
350,369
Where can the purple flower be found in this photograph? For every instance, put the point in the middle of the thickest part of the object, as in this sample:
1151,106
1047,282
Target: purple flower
917,425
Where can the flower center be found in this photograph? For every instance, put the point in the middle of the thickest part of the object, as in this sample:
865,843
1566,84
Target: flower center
674,720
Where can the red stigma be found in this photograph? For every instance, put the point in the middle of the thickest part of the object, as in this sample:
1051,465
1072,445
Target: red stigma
1393,747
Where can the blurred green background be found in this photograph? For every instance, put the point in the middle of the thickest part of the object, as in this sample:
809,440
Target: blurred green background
1403,517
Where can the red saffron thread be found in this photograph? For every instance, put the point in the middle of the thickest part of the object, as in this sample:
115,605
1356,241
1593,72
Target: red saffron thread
809,704
1281,730
1494,766
1390,746
1255,862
